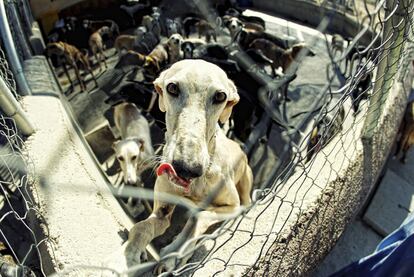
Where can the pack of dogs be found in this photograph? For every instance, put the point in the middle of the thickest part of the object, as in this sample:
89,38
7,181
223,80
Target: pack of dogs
187,62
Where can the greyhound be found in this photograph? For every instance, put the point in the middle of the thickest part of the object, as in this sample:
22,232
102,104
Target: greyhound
125,42
197,157
204,28
96,44
156,60
280,57
174,48
135,147
71,56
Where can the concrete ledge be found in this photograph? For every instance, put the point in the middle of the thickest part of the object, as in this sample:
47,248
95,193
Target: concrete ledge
40,77
312,13
77,216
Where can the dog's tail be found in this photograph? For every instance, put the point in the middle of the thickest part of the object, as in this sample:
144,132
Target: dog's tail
85,52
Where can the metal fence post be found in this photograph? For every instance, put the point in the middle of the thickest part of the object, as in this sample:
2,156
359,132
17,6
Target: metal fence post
19,32
28,11
11,52
25,17
12,108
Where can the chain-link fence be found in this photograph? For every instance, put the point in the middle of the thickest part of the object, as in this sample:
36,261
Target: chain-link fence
19,248
304,132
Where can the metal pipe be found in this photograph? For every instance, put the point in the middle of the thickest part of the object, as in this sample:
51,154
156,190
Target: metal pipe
11,52
19,32
12,108
26,17
28,11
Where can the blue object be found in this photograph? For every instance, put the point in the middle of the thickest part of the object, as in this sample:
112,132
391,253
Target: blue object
394,256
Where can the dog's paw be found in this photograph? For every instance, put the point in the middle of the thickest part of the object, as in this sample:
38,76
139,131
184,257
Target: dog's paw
165,266
127,256
135,255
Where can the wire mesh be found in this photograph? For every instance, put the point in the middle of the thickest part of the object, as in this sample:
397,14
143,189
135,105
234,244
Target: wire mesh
19,254
19,248
326,149
6,74
296,153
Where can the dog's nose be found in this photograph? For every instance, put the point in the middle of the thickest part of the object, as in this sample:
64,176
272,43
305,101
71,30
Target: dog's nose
187,172
131,181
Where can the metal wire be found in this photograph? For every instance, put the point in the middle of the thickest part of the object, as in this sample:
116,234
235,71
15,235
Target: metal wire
306,162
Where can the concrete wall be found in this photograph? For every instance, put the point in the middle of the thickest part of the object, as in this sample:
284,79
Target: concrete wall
311,13
77,219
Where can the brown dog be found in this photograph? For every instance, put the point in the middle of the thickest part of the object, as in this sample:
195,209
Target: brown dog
97,46
124,42
131,58
206,29
407,133
71,55
155,60
280,57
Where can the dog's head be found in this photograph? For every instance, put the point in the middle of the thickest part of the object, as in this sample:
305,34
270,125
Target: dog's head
171,25
86,23
188,48
151,66
139,32
104,30
128,152
54,48
195,95
234,25
174,41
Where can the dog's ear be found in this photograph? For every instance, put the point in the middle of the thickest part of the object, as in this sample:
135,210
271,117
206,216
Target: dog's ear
114,144
232,99
140,142
158,84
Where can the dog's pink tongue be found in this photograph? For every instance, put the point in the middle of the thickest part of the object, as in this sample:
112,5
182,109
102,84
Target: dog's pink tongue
169,170
166,168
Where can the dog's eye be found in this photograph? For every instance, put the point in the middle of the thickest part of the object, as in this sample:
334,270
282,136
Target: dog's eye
134,157
120,158
219,97
173,89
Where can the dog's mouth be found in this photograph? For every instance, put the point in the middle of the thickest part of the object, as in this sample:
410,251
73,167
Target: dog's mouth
166,168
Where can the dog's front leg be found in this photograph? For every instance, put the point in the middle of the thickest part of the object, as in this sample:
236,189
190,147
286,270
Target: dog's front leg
204,219
81,83
145,231
65,69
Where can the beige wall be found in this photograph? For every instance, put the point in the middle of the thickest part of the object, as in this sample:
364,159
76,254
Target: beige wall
41,8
